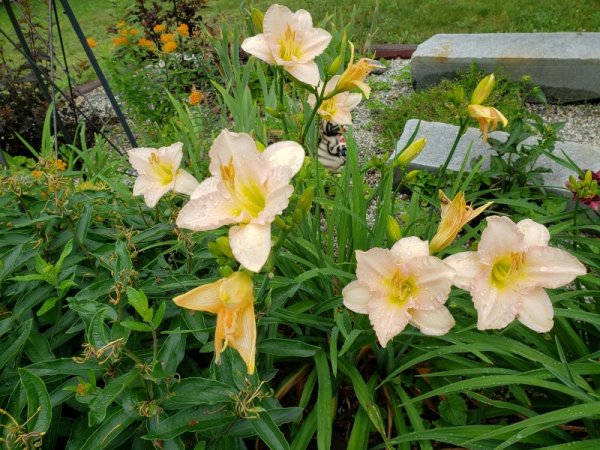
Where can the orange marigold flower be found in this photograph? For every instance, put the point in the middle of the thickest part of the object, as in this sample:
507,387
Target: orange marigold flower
169,47
120,24
91,42
124,32
120,40
183,30
195,97
133,32
147,44
167,37
159,28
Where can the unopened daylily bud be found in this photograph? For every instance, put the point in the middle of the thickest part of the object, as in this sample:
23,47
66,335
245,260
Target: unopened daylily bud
410,152
410,176
257,19
483,90
306,199
273,112
214,249
341,57
393,229
225,271
223,243
259,146
279,223
297,216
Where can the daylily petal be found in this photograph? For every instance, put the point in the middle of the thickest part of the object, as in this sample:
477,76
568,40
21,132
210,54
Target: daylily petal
172,153
240,150
535,234
277,19
536,311
185,183
342,117
209,210
139,158
500,237
356,297
374,266
388,320
259,46
202,298
307,72
285,154
550,267
434,322
408,248
151,190
433,279
315,42
364,87
495,309
244,340
466,267
278,196
251,245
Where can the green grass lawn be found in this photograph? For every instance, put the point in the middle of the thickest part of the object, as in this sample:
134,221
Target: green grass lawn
94,17
414,21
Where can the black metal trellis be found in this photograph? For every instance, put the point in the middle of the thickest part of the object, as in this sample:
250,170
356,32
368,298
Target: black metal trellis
45,82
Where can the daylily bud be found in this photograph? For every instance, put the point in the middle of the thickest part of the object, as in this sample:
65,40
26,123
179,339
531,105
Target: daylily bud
393,229
273,112
214,248
259,146
410,152
225,271
279,223
339,59
483,90
410,176
257,19
306,199
297,216
223,243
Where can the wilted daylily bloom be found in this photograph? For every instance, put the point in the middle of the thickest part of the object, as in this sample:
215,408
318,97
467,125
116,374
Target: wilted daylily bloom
159,172
507,275
289,40
401,286
455,215
337,108
354,75
486,116
248,188
232,300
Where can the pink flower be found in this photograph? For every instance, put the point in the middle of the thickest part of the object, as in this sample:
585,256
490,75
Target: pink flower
401,286
507,275
289,40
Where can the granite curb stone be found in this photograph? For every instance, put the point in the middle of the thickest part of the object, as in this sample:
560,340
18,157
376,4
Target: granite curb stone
441,136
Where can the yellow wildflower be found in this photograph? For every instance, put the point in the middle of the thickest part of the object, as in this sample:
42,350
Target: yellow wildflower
37,174
120,24
169,47
59,164
91,42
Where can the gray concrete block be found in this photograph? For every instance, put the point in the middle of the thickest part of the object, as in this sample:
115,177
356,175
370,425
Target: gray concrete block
441,136
565,65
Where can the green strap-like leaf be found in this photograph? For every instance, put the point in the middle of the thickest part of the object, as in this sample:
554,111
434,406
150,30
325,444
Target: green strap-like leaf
266,428
39,409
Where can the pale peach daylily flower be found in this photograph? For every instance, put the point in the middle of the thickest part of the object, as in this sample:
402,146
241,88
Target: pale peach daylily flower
401,286
159,172
289,40
455,215
487,117
232,300
507,275
248,188
355,74
337,108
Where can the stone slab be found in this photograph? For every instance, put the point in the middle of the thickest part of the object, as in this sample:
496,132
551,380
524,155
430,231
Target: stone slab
565,65
441,136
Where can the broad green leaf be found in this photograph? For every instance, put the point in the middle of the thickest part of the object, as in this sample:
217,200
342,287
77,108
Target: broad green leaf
66,252
198,418
47,306
139,301
98,406
196,391
136,326
171,353
39,408
64,366
266,428
101,437
160,314
453,410
97,331
243,427
287,347
12,344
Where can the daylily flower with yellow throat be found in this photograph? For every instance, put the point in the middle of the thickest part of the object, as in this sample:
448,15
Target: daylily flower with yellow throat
507,275
337,108
401,286
289,40
248,188
355,74
455,215
487,117
232,300
159,172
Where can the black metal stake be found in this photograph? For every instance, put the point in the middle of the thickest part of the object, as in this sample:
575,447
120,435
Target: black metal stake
98,70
